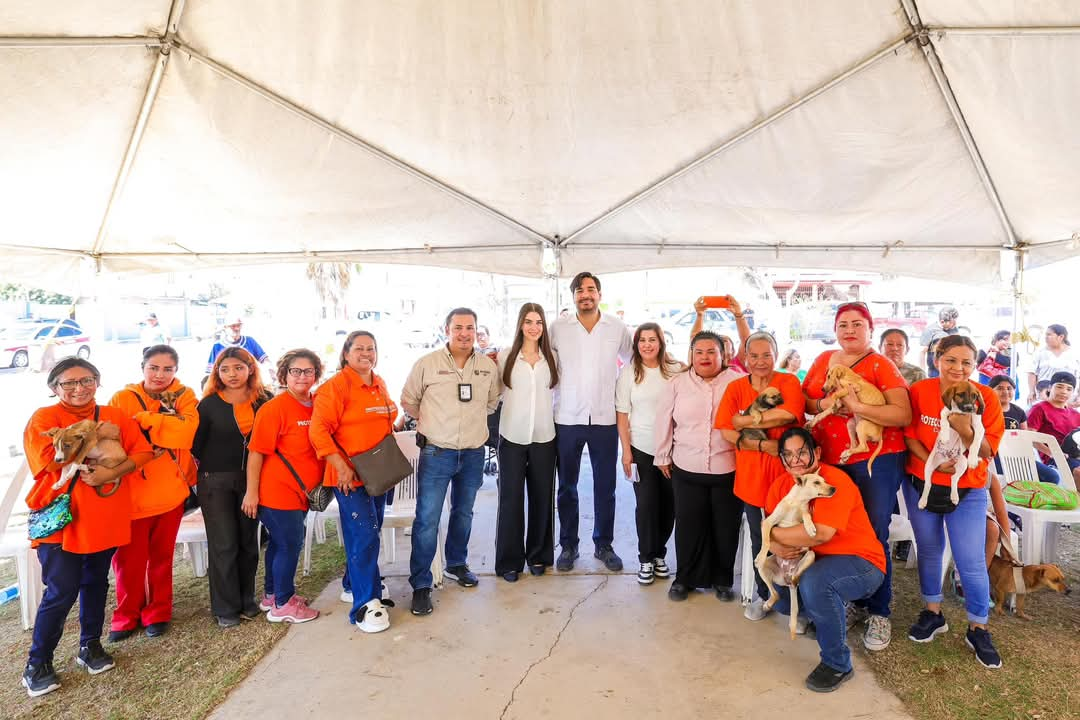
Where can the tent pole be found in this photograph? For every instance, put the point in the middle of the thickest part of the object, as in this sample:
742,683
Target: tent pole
1007,31
99,41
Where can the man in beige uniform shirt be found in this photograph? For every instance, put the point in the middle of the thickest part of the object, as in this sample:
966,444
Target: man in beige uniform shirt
450,393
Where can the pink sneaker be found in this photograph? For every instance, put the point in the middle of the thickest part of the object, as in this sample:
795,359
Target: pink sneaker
294,611
267,603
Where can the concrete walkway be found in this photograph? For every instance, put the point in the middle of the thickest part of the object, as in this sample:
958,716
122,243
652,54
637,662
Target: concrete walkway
585,644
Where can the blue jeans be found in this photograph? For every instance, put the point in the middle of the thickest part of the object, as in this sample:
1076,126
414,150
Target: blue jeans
879,499
286,528
967,537
360,524
603,442
380,510
1047,474
69,577
823,589
462,472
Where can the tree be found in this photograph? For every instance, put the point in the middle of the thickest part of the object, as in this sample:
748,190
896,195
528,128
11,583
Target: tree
331,281
12,291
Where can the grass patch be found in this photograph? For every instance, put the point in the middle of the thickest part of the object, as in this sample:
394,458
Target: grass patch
942,680
184,674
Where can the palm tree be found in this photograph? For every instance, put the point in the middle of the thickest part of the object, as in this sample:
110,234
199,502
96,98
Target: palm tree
331,282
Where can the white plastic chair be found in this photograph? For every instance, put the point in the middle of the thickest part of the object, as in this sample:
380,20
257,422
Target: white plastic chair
15,543
746,563
192,535
315,530
1040,527
403,512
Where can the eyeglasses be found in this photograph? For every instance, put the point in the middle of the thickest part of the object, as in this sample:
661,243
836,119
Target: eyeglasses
852,306
86,382
305,372
800,456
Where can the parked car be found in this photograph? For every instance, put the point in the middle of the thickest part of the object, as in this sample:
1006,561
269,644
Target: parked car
16,340
46,348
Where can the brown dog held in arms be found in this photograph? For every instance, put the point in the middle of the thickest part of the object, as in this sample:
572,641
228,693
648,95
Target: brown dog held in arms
839,381
792,510
768,399
86,443
168,400
1008,577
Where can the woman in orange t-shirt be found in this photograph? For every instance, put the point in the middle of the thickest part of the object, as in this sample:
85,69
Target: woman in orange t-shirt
75,560
144,567
756,461
854,329
353,413
282,467
966,522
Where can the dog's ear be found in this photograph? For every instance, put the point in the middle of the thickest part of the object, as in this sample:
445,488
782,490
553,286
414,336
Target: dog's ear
53,432
947,396
980,404
800,480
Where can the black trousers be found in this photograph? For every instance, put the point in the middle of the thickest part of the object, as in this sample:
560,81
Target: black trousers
707,521
655,511
525,471
233,543
754,516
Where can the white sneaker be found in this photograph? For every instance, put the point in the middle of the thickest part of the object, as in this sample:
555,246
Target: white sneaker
878,633
755,611
373,617
645,573
346,597
660,568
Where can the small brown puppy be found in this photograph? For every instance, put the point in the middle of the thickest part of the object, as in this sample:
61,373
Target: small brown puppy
767,399
839,381
85,443
168,400
1003,582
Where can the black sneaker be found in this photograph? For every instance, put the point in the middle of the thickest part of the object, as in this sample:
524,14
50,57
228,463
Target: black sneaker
724,593
901,551
116,636
94,658
227,621
565,563
462,574
40,679
678,592
611,561
978,640
825,679
421,601
537,569
157,629
928,626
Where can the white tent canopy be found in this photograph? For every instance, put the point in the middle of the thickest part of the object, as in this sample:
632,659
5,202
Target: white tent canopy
912,137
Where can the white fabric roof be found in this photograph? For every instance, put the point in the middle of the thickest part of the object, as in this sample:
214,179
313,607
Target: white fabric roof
628,134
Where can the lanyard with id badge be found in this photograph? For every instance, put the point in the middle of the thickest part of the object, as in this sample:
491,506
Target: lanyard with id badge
464,392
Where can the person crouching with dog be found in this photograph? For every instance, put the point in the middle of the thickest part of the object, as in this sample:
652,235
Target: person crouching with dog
75,558
966,521
168,417
850,563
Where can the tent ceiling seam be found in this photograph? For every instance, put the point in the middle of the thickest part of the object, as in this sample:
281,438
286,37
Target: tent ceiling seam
30,41
359,142
740,136
911,12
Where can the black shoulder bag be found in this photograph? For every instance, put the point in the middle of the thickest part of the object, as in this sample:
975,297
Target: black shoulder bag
318,497
382,467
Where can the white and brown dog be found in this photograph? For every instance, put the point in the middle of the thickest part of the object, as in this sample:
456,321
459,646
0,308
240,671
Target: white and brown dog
839,382
792,510
965,399
86,443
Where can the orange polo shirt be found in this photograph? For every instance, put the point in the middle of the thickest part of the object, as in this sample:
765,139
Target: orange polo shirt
844,512
926,409
161,484
357,415
282,425
98,523
755,471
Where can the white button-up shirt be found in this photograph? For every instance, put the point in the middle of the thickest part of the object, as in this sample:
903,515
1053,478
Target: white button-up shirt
527,416
588,368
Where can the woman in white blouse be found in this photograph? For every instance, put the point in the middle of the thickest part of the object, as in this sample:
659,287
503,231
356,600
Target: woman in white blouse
639,387
528,372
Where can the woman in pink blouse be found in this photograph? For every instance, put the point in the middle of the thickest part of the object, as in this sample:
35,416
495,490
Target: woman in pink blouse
701,466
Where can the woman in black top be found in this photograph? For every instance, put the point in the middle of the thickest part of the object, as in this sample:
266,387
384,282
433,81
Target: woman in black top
226,414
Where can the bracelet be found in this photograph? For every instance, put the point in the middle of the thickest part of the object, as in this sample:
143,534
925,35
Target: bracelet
738,315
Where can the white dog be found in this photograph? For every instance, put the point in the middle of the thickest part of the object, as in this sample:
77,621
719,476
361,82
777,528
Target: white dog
965,399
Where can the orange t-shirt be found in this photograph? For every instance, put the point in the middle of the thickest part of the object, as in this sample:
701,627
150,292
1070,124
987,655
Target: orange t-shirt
926,409
98,523
282,425
357,415
755,471
844,512
831,434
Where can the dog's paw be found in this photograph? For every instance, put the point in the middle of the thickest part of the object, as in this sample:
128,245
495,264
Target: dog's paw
922,503
811,531
954,497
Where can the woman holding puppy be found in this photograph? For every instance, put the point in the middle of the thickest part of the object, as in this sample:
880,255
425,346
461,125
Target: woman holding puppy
144,567
75,559
966,522
757,463
854,330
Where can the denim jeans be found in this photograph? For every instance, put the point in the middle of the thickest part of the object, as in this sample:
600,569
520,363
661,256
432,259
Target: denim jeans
823,589
69,577
286,528
360,525
462,472
381,502
879,499
967,538
603,442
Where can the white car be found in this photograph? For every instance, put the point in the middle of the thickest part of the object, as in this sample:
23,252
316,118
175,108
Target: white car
17,341
46,347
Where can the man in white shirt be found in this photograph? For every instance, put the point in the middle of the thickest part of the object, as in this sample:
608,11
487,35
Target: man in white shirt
152,333
589,345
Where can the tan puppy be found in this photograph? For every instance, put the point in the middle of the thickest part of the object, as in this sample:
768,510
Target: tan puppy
839,381
1003,582
86,443
168,400
792,510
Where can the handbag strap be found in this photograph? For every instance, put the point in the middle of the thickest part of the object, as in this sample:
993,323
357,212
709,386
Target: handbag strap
296,475
868,354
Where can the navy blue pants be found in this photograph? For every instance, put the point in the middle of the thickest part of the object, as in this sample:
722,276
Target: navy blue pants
69,577
603,444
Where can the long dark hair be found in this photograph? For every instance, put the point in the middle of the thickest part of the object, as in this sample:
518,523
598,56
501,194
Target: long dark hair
519,340
1058,329
254,381
347,346
668,364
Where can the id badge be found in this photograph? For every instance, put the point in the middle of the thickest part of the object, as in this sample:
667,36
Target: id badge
464,392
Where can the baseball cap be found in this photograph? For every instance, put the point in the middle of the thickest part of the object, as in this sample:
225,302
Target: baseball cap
947,314
1063,377
151,316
